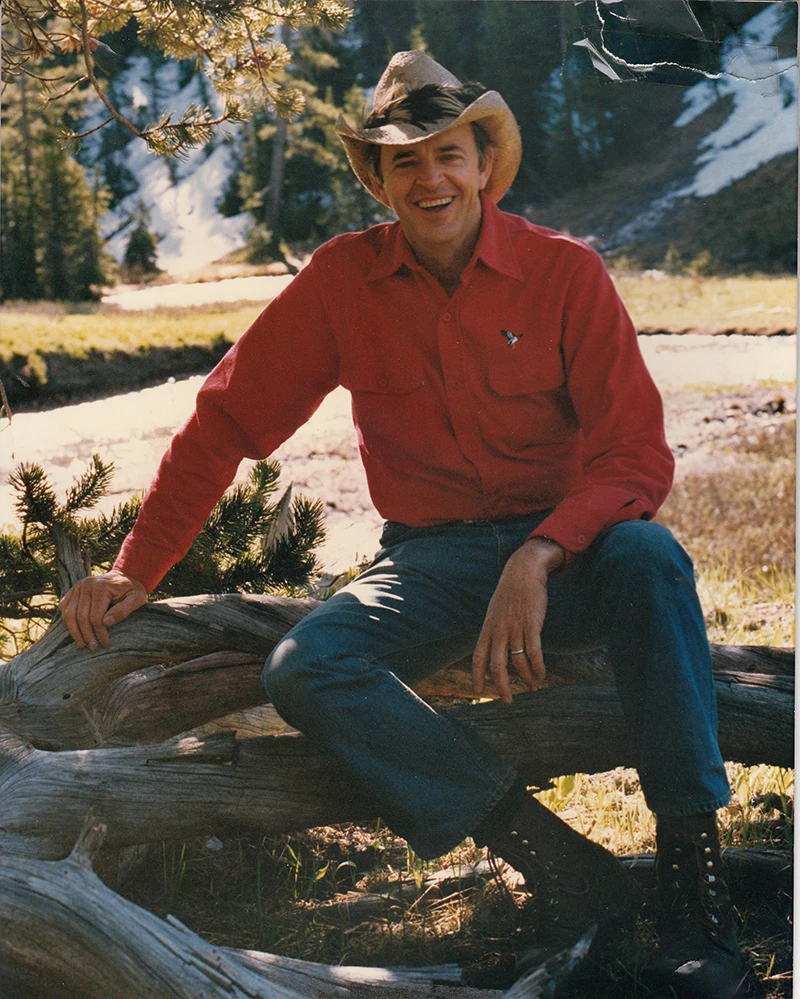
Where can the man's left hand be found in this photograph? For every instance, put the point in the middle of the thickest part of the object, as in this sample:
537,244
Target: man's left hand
513,626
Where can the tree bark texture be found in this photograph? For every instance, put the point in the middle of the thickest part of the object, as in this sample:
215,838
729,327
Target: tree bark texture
196,785
177,664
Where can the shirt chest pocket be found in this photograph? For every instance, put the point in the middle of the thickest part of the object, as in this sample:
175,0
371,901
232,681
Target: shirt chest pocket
526,376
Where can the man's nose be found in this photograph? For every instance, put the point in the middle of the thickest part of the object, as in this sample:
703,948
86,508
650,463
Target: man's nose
430,173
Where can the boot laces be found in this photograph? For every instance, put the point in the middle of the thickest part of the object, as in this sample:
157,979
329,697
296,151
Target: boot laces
693,888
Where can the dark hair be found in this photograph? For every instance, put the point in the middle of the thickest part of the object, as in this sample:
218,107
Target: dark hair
482,143
426,106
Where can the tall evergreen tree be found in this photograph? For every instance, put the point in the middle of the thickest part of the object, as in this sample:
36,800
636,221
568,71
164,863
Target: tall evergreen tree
51,242
320,197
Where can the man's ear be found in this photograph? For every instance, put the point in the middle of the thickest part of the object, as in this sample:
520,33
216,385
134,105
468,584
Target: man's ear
485,171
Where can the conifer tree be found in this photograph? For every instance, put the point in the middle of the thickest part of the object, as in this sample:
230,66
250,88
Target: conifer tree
51,243
251,543
140,254
232,40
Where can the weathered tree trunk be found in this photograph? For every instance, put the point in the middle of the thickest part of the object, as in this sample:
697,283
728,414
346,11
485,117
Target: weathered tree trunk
194,786
177,664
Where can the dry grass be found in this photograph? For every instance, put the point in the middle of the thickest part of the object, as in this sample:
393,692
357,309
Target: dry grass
709,304
741,517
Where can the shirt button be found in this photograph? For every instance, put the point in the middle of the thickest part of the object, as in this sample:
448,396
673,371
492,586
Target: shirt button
383,382
446,316
581,538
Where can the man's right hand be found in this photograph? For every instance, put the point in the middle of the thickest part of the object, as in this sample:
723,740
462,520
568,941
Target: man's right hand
98,602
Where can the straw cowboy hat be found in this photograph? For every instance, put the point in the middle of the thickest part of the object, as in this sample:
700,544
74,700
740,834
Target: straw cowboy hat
410,73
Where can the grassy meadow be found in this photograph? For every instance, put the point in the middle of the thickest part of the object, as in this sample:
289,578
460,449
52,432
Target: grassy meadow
59,329
666,303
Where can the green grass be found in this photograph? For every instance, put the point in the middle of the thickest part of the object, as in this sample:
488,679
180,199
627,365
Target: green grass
673,303
34,332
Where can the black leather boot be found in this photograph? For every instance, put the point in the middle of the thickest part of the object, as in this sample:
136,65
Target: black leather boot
574,882
698,956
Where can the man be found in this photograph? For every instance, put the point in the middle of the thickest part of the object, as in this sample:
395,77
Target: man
513,440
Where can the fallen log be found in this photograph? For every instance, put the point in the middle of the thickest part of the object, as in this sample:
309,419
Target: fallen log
177,664
85,731
198,785
64,927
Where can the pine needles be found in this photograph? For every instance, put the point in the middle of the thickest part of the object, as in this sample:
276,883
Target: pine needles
251,543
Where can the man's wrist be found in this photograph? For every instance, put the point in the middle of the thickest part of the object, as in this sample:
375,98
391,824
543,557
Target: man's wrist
551,553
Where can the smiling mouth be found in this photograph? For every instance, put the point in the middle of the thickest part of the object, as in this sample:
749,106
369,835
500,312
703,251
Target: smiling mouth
436,202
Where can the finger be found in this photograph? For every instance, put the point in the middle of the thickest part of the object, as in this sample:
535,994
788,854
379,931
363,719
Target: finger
499,672
480,662
119,611
535,657
101,598
83,620
523,668
67,606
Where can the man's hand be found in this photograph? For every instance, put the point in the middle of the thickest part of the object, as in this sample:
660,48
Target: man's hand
513,626
85,608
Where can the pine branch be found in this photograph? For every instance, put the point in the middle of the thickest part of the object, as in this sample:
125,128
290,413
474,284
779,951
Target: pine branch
36,501
90,487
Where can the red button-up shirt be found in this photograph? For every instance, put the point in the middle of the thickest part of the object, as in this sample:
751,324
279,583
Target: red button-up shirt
524,391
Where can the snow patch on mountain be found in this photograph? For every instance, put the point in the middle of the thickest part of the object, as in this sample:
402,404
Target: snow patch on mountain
763,123
180,194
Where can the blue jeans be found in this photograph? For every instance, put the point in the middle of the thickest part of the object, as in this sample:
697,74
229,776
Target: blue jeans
344,674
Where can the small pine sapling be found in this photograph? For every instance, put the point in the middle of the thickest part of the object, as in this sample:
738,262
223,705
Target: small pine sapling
251,542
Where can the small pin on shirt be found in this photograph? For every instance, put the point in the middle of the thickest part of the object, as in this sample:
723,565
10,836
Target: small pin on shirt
511,338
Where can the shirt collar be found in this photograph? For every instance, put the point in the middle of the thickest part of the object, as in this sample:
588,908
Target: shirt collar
494,247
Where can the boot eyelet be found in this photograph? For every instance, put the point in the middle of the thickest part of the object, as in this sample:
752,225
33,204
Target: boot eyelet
707,849
524,842
703,835
675,867
709,863
514,832
532,853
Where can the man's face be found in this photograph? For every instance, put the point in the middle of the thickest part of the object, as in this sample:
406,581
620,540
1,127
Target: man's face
434,188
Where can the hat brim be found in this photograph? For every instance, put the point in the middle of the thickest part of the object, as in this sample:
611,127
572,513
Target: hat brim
489,109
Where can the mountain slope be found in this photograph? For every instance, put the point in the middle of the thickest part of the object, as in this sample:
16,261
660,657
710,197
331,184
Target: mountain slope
724,177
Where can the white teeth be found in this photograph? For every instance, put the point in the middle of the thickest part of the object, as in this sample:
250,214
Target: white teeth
434,204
